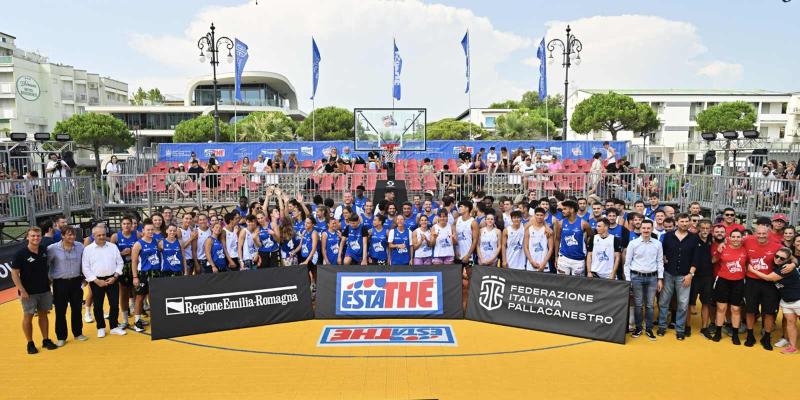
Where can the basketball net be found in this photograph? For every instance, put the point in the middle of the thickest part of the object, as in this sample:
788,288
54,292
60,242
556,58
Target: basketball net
390,152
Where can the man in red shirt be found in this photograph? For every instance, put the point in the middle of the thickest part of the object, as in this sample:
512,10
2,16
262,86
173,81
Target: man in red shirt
729,221
719,235
760,294
779,222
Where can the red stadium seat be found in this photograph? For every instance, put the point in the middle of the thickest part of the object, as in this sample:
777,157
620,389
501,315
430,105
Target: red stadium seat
549,186
400,175
356,180
429,182
326,183
413,183
452,164
372,180
412,165
438,164
359,168
307,164
341,183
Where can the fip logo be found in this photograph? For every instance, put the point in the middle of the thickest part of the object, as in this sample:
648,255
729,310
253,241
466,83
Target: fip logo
387,335
307,151
398,293
492,290
215,152
577,151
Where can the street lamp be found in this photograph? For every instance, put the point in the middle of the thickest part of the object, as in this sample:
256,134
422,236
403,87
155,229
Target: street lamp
571,52
211,45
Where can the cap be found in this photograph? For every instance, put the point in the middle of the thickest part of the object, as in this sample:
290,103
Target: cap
429,192
780,217
180,164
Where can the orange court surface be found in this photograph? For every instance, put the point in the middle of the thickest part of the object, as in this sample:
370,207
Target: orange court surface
489,362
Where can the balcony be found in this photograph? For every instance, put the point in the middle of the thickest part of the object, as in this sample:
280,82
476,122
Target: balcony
6,60
773,118
80,97
94,101
6,114
69,96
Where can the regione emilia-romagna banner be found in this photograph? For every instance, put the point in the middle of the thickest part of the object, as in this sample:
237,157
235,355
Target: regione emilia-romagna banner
585,307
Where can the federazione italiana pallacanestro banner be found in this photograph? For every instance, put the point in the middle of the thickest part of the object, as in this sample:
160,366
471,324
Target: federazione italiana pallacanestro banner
576,306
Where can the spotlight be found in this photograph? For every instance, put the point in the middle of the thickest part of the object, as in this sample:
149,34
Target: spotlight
18,136
730,135
63,137
41,136
750,134
709,136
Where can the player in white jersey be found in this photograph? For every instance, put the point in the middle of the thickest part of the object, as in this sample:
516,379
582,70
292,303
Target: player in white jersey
512,244
489,246
466,234
422,243
231,231
604,252
444,237
202,233
248,244
188,236
538,242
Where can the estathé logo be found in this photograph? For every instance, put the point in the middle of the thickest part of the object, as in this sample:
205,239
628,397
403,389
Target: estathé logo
398,293
391,335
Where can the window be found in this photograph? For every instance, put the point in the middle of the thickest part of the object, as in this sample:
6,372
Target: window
691,134
782,132
765,108
490,122
784,106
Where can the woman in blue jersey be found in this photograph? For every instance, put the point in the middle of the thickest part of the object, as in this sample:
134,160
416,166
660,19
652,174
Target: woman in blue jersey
378,241
145,264
354,242
399,243
124,239
309,243
172,262
249,243
290,240
489,243
330,243
159,230
321,216
423,244
269,235
216,253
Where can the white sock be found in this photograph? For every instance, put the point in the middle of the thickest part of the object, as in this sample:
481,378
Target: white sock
136,318
125,315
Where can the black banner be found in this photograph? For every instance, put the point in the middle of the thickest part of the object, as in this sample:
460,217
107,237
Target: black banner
584,307
187,305
6,257
389,292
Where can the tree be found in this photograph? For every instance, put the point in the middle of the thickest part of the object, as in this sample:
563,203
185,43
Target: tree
155,96
736,116
523,124
141,97
201,129
612,112
272,126
505,104
92,131
450,129
333,123
554,109
138,97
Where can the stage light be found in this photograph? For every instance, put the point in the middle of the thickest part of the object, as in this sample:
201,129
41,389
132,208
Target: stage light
730,135
18,136
709,136
63,137
41,136
750,134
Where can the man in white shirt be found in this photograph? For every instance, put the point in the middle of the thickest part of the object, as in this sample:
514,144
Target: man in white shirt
102,266
527,168
546,156
56,167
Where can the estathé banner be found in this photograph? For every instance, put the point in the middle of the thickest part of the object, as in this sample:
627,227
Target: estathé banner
387,335
380,291
188,305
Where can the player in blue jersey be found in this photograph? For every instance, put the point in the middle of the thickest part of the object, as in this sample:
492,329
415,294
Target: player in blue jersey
269,236
570,241
378,241
145,264
596,215
172,261
125,239
159,228
400,242
331,239
216,251
354,243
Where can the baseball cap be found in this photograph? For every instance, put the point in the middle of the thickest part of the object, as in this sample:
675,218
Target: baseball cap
780,217
180,164
429,192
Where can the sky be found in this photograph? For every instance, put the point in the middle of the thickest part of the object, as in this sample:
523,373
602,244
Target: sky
708,44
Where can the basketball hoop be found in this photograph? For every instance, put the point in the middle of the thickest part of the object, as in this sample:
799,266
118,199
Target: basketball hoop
390,152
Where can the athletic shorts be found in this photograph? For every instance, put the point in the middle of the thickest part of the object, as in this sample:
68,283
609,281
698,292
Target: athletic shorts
270,259
37,302
126,279
568,266
442,260
702,286
235,266
249,264
728,292
602,275
168,274
423,261
791,307
761,295
377,262
144,281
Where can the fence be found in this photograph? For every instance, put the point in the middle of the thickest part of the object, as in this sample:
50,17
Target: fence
29,199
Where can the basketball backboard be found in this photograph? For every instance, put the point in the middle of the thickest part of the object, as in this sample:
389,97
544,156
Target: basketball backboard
374,127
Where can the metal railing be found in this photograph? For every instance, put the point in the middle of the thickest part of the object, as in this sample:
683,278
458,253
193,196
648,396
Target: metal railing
30,199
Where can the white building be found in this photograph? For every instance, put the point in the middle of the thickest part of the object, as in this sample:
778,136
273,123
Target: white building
486,118
36,94
261,91
678,140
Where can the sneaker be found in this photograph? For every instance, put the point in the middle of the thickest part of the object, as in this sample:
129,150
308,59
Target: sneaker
87,317
661,332
123,325
61,343
766,342
119,331
789,350
735,340
707,333
782,343
751,340
82,338
138,326
101,333
680,336
32,348
687,331
48,344
649,334
636,332
671,325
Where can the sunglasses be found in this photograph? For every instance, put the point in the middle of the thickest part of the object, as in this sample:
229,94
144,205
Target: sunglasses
730,215
777,257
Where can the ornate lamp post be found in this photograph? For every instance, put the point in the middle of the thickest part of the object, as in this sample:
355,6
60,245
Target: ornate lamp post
571,52
211,45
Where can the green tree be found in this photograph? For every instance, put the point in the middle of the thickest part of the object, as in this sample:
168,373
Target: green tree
201,129
554,109
139,96
735,116
155,96
271,126
92,131
612,112
450,129
523,124
505,104
332,123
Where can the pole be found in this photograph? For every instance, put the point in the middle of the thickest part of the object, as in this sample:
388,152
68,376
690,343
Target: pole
234,121
313,121
567,48
469,92
213,47
547,117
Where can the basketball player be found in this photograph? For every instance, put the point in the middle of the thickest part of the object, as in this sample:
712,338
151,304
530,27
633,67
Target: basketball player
538,242
512,244
571,233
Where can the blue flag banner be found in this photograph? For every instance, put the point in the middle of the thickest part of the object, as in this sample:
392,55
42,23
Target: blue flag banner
567,150
542,55
465,45
315,58
398,67
241,59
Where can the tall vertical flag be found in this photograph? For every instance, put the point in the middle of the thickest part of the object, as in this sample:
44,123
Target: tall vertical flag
398,67
465,45
241,60
315,58
542,55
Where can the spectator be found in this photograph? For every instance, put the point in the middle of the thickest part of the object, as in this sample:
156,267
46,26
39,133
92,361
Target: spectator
193,157
333,155
246,166
56,167
464,155
292,164
554,166
259,168
173,184
492,160
212,180
195,170
102,266
346,156
611,157
427,167
277,163
505,162
546,156
212,160
113,171
29,272
64,259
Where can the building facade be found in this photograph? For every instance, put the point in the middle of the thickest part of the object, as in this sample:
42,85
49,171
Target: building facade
35,94
679,141
486,118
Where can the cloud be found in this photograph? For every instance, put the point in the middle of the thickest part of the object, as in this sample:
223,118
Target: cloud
531,61
355,40
637,51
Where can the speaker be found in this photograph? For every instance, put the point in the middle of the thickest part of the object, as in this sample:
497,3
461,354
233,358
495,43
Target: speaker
710,158
758,156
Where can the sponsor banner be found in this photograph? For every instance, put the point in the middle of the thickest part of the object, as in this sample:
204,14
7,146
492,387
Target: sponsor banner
6,257
584,307
387,335
188,305
573,150
386,292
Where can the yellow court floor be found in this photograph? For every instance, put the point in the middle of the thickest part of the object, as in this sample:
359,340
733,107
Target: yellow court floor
489,362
